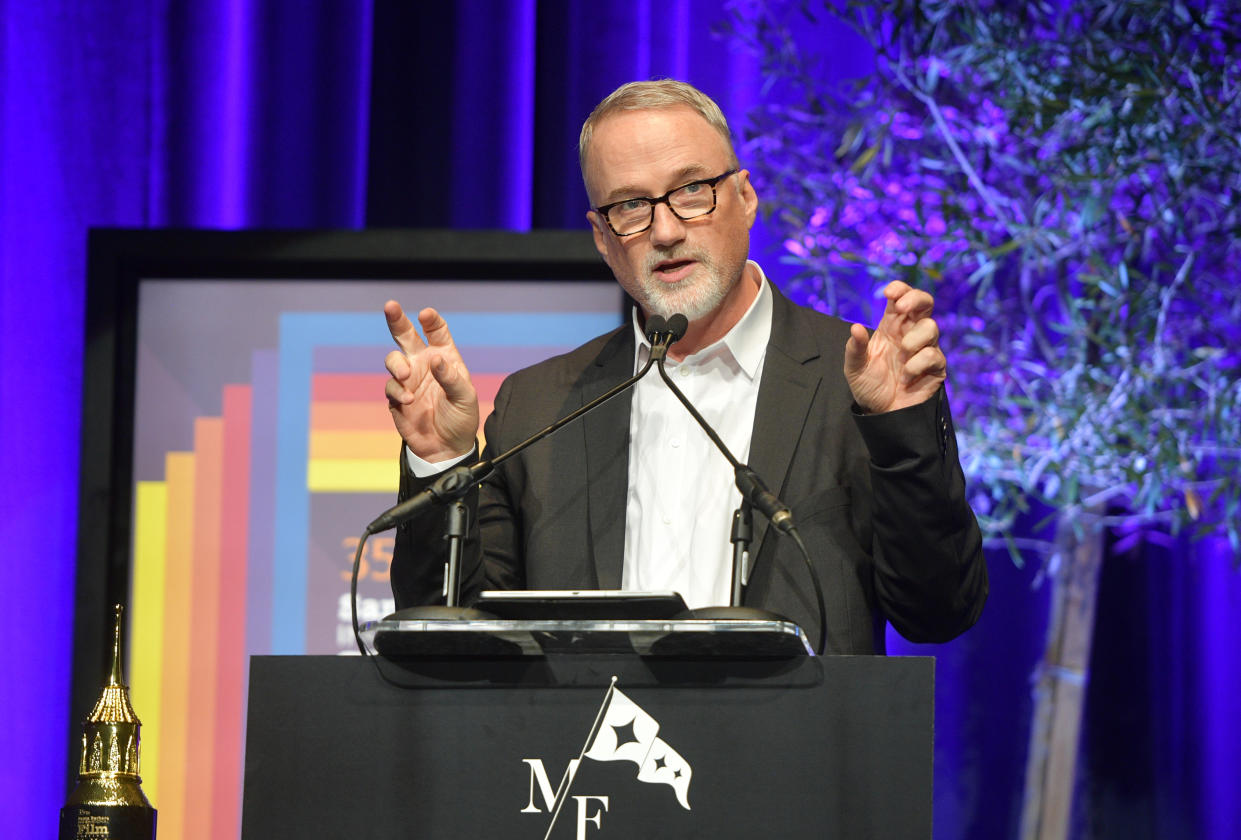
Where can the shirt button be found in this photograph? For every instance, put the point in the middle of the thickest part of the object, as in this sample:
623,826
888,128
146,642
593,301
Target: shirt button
667,520
684,370
674,443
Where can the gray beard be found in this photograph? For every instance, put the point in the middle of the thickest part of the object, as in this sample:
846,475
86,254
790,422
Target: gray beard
694,297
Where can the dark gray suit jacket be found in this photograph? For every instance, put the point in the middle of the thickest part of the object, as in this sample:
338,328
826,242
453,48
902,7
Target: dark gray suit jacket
879,500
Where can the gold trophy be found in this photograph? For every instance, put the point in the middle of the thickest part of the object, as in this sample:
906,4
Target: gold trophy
108,801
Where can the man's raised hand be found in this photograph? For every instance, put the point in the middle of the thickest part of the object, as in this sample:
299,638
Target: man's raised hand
432,400
900,364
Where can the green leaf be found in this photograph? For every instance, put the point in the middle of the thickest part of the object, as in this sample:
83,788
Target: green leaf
864,158
1007,248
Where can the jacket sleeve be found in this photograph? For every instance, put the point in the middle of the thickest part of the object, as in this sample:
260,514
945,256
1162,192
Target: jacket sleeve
930,576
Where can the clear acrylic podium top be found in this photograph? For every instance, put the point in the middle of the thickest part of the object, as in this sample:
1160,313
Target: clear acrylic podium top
735,638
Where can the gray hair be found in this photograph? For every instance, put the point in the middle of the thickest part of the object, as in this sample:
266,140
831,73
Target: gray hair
658,93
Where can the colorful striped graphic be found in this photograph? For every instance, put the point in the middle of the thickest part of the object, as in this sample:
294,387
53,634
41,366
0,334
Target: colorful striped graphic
174,669
224,566
229,719
352,444
203,610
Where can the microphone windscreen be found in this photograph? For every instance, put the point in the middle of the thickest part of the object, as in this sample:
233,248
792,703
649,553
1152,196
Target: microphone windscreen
677,325
655,324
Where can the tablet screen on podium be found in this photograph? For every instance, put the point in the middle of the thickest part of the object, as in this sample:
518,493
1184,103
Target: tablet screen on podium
585,604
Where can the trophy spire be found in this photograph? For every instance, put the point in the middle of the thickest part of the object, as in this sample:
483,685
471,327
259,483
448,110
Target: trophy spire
108,800
117,677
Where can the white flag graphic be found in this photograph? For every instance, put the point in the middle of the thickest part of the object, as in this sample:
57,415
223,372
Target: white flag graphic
628,733
664,765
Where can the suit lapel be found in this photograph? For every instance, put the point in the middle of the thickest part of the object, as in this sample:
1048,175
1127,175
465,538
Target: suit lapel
606,431
785,393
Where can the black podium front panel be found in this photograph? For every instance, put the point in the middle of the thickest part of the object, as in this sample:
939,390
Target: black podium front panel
802,747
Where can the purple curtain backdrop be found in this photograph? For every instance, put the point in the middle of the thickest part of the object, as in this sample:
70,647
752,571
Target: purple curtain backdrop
287,113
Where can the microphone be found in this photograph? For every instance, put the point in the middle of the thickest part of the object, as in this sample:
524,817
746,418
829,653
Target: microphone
654,326
754,491
663,334
450,486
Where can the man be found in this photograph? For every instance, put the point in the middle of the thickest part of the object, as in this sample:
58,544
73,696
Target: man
850,429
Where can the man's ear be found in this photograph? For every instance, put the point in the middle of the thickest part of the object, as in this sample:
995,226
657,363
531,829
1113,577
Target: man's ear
749,198
599,228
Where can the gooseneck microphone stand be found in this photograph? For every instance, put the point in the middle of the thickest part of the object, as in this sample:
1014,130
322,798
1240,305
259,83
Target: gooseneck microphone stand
753,493
451,488
742,535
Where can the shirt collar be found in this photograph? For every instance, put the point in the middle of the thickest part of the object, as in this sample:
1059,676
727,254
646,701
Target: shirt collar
746,341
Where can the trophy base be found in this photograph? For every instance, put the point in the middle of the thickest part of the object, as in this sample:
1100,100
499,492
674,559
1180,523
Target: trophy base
114,822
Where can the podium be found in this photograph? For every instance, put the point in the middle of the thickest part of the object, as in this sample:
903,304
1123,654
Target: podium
459,740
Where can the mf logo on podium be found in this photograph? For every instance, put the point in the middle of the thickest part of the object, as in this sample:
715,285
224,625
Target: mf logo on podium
622,731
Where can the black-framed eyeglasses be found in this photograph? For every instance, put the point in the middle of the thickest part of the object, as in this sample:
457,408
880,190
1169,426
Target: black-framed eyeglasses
688,201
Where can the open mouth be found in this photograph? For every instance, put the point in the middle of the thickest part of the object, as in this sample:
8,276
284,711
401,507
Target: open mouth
671,271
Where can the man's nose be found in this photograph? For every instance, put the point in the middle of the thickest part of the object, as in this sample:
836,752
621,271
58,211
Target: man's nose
666,227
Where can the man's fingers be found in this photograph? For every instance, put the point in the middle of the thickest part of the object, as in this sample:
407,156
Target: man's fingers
452,376
914,303
924,333
398,365
855,349
435,328
397,394
444,365
403,331
894,290
929,361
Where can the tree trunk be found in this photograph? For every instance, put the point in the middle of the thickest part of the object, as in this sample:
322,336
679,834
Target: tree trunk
1060,684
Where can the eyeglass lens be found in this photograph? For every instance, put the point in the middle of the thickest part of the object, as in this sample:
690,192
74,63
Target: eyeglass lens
688,202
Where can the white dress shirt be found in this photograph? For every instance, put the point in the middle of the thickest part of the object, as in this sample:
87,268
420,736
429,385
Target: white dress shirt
682,492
